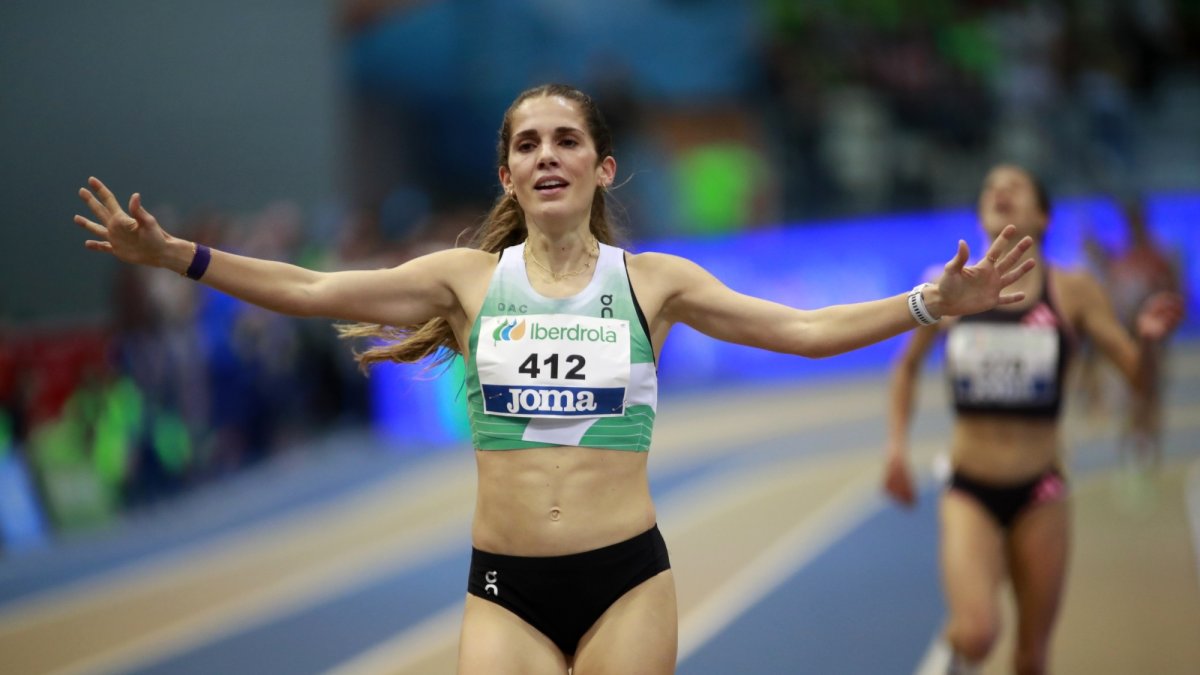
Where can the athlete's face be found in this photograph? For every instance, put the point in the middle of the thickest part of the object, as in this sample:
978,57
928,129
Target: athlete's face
1010,196
553,170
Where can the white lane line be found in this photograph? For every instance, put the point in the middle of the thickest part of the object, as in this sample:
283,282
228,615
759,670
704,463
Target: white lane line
788,554
194,558
409,648
306,585
937,657
288,596
1192,501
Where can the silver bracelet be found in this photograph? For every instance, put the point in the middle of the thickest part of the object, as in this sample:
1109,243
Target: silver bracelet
916,306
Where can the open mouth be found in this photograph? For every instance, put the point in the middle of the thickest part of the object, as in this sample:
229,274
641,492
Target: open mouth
550,184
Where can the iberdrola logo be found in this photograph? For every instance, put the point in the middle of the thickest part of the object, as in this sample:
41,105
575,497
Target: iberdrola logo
509,330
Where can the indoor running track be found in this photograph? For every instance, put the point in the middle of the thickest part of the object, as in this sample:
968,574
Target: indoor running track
350,558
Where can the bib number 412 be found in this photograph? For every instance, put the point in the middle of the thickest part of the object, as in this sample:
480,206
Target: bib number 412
573,362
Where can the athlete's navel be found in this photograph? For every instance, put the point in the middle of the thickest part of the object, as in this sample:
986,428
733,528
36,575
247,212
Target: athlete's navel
555,513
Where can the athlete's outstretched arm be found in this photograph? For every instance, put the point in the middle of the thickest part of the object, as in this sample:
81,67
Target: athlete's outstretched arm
419,290
698,299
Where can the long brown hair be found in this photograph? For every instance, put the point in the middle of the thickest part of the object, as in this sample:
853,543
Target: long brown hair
504,226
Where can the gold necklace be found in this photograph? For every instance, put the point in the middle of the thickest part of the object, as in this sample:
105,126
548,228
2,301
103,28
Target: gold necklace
593,252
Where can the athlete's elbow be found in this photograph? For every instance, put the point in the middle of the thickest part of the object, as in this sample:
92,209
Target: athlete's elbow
824,353
828,346
304,301
806,343
813,349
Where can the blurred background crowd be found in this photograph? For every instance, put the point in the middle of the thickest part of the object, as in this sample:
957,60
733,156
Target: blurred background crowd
361,133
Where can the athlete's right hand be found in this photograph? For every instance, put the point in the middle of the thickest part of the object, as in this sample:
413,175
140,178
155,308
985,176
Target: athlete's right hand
135,238
897,480
1159,315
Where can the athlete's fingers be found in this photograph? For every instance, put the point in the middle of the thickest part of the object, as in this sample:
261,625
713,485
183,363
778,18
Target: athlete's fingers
1014,254
895,488
96,229
137,210
897,482
94,204
902,492
1010,298
139,213
102,246
960,258
1001,244
1164,301
105,195
1014,274
1160,314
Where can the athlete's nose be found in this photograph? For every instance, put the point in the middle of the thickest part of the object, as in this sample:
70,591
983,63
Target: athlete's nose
546,157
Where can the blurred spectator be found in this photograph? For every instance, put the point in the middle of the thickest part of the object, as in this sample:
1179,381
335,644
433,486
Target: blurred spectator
1133,271
1143,268
184,386
859,107
1140,271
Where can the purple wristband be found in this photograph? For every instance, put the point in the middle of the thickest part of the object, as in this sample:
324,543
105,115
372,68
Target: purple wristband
199,262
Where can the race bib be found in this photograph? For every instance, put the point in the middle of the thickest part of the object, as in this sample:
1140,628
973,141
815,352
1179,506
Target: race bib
553,365
1005,365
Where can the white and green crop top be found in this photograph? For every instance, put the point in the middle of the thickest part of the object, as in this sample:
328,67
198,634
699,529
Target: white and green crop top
561,371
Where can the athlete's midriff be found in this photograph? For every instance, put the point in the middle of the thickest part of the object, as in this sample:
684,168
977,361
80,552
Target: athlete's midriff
1004,448
559,500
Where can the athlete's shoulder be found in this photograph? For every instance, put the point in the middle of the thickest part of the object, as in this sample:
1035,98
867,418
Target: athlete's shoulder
472,255
464,259
1074,281
658,264
459,268
459,255
1076,291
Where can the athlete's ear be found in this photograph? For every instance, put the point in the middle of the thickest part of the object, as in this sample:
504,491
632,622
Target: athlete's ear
606,171
506,179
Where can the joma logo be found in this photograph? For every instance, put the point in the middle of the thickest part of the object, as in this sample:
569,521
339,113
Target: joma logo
550,400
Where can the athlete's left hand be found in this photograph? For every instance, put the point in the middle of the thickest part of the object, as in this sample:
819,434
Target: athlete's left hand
968,289
898,481
1159,315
